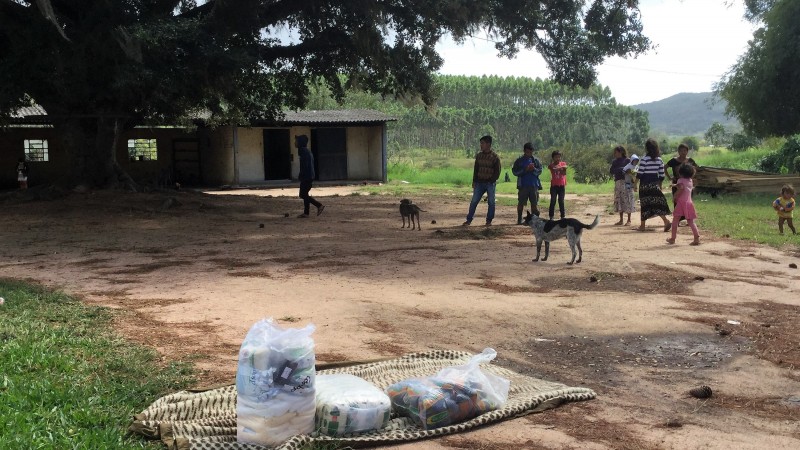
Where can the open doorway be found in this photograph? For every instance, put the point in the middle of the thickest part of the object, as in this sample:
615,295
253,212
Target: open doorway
329,146
277,154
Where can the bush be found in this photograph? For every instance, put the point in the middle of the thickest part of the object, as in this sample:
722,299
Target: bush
589,165
785,159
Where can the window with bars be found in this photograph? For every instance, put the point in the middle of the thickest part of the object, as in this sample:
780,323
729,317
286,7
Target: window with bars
36,150
142,149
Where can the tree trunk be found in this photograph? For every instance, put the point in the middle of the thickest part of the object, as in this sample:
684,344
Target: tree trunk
90,144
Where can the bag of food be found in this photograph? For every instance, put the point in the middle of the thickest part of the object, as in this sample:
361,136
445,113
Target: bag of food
453,395
348,404
275,384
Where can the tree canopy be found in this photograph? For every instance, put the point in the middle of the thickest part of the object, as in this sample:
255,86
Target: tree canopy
763,87
101,67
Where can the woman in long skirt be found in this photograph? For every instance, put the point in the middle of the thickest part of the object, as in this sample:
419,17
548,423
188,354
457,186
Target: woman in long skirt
651,180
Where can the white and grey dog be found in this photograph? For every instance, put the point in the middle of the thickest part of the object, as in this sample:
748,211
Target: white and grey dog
550,230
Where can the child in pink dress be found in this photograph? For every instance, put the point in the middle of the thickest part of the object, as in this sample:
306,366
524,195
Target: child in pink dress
684,207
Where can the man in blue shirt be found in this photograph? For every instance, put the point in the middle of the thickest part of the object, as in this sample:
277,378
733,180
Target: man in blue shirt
527,168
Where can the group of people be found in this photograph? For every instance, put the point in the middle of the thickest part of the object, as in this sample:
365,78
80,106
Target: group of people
527,169
647,175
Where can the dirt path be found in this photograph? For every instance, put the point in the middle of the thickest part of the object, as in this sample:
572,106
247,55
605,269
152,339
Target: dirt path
639,321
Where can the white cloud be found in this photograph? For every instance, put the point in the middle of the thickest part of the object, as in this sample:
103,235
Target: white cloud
697,42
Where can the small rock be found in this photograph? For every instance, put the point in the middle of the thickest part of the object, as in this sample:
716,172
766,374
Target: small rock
433,222
793,265
261,225
286,215
593,279
766,325
673,423
699,278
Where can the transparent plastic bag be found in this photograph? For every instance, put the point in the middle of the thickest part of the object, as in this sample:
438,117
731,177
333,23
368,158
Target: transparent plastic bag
348,404
275,382
453,395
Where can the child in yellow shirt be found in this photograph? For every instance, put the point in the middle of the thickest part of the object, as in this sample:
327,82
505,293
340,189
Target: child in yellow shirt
784,205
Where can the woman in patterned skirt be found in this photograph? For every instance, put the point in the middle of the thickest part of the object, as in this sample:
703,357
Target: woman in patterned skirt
651,179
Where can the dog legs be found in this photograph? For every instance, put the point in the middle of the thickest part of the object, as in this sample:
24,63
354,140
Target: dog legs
419,226
546,250
580,250
404,221
538,249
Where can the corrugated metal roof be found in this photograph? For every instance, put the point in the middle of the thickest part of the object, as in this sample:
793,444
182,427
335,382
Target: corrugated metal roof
37,114
337,116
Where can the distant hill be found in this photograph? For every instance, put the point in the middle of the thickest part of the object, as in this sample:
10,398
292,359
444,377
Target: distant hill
686,114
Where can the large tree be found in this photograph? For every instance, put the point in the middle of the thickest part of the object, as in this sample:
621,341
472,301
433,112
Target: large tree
763,88
99,67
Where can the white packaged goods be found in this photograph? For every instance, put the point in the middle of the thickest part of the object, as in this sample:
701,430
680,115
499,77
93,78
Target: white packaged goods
275,383
349,404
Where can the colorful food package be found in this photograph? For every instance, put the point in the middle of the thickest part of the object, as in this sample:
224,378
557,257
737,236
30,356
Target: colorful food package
453,395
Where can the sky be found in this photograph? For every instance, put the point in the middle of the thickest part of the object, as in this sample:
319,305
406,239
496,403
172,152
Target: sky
697,41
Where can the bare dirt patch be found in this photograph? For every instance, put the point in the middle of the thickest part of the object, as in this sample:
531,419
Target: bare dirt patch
639,321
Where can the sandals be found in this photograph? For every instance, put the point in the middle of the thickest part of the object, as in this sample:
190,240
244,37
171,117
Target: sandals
667,226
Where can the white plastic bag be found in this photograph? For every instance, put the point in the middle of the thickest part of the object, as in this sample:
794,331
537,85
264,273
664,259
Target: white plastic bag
348,404
275,382
453,395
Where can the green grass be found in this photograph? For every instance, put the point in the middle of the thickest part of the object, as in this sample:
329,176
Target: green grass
66,380
722,157
747,217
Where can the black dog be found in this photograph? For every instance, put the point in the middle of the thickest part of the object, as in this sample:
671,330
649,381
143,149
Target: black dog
410,211
550,230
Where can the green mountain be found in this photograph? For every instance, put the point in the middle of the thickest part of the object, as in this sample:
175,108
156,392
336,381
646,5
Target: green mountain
687,114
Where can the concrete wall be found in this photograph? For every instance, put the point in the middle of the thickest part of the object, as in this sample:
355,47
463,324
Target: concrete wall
251,155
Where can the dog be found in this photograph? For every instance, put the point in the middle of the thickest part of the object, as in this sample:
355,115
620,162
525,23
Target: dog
549,230
411,212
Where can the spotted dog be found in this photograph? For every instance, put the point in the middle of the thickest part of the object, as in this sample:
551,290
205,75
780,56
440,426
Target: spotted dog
550,230
410,211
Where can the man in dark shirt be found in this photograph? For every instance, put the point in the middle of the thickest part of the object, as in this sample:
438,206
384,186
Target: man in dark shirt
484,179
306,175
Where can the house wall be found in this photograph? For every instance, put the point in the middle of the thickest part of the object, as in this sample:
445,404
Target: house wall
251,155
365,153
217,156
148,172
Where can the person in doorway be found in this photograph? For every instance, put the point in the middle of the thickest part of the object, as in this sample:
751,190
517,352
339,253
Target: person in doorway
484,179
527,169
22,173
306,176
558,183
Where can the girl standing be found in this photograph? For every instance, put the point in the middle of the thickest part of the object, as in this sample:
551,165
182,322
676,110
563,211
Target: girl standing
784,205
651,178
622,203
558,183
674,163
684,207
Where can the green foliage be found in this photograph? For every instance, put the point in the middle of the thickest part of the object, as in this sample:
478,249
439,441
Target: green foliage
692,142
66,380
717,134
783,160
589,164
741,142
720,157
763,87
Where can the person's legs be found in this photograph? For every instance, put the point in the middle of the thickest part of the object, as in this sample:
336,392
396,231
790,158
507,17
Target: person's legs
620,218
305,187
553,195
561,193
629,219
667,223
674,227
791,225
490,189
477,193
534,198
521,200
780,224
695,231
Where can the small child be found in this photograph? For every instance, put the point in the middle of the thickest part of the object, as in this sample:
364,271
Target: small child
22,173
631,182
558,183
784,205
684,207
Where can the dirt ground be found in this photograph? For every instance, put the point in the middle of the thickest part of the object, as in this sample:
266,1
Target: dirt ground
639,321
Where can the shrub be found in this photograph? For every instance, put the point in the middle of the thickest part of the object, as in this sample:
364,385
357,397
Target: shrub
785,159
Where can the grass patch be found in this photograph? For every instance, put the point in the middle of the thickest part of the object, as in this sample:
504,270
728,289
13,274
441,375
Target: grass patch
66,379
747,217
724,158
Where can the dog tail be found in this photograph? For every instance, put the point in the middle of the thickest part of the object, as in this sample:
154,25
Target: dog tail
593,224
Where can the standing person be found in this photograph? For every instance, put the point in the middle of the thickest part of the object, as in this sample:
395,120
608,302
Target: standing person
651,179
674,163
22,173
684,207
622,203
784,205
484,179
306,175
558,183
527,168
